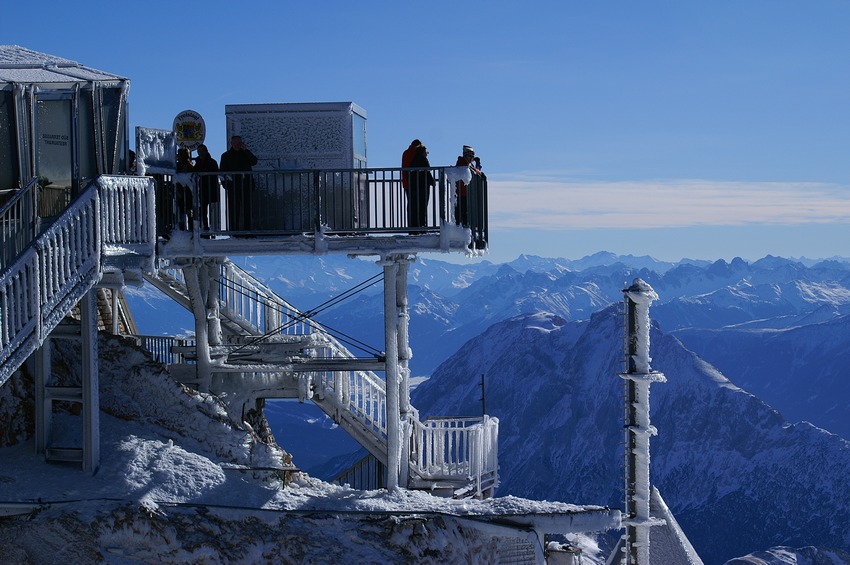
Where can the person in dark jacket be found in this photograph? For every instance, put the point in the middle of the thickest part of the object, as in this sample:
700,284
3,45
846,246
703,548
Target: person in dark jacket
183,194
204,163
419,191
239,186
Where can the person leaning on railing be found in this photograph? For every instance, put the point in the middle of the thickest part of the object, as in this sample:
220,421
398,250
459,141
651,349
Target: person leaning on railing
468,208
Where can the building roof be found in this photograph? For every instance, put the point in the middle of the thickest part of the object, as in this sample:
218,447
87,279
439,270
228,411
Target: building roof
22,65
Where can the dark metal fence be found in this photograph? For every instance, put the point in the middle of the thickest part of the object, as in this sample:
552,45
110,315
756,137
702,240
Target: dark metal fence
338,201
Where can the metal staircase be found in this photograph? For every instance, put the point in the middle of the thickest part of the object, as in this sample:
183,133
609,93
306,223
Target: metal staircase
104,237
290,355
260,346
105,233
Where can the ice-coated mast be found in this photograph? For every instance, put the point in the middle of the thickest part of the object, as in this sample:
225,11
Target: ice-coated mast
638,377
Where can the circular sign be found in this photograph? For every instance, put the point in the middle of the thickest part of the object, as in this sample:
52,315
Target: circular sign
190,129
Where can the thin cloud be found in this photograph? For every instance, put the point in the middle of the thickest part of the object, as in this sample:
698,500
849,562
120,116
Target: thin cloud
551,204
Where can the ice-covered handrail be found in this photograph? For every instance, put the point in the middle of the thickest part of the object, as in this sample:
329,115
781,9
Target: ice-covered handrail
459,449
440,447
45,282
361,393
64,262
260,311
19,222
453,447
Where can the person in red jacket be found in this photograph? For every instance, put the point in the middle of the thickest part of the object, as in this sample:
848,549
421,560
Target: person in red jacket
406,160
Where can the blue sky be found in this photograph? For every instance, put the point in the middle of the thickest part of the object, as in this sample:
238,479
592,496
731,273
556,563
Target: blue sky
669,128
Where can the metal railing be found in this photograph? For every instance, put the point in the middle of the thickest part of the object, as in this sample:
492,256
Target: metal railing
19,222
367,474
162,348
62,263
442,447
336,201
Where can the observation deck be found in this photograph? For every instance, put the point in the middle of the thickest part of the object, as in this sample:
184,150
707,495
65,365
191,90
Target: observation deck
315,212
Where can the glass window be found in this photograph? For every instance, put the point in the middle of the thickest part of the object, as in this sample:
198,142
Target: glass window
8,142
112,130
359,140
54,148
87,141
54,154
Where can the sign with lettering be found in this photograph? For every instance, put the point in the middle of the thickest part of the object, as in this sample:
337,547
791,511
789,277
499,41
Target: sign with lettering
190,129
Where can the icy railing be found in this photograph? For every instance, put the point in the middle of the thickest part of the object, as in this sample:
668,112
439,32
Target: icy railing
62,263
259,310
126,209
45,282
440,447
252,304
162,349
337,201
444,447
19,223
361,393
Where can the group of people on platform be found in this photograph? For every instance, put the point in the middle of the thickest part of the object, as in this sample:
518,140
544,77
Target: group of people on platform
239,162
418,182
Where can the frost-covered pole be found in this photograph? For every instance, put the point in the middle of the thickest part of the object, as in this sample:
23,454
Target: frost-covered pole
193,274
638,377
392,373
211,286
404,355
90,376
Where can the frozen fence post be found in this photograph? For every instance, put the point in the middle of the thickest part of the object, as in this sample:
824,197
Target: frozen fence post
638,377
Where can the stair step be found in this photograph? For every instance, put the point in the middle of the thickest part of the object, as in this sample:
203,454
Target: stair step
68,393
64,454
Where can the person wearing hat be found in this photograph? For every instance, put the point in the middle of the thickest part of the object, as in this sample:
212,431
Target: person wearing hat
461,189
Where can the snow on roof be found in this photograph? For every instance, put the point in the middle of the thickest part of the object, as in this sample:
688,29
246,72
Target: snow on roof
22,65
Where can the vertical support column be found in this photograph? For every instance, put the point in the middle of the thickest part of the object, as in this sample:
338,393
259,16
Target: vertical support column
210,287
192,273
43,407
638,377
404,355
90,377
392,372
113,304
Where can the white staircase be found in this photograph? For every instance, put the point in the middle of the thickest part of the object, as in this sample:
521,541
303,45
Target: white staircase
105,235
107,229
457,456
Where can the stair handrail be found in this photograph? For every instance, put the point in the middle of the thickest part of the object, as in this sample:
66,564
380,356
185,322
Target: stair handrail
45,281
361,393
446,447
64,262
435,451
441,448
19,222
255,307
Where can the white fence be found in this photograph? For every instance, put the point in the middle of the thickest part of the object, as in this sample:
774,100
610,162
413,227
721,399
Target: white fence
452,447
64,261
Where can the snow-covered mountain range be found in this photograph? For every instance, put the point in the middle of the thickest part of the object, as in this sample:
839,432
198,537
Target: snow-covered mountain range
737,475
